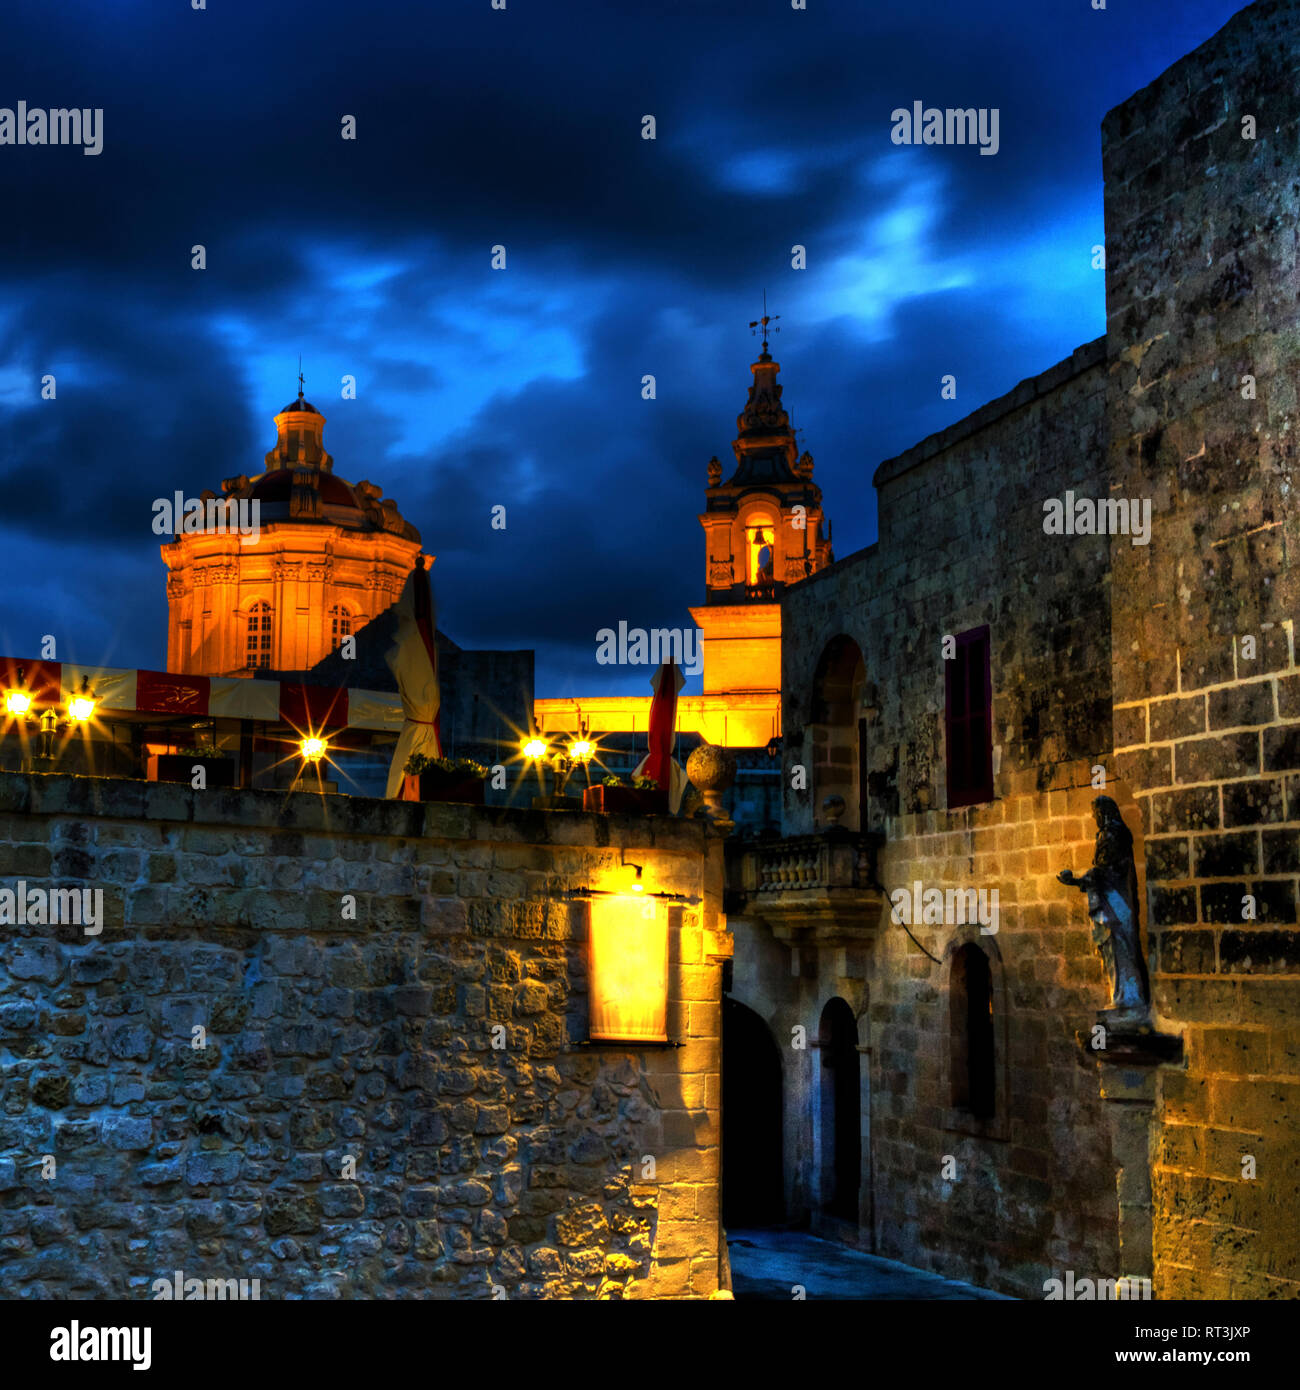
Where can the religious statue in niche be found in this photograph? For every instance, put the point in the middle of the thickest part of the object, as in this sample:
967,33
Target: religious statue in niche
1111,886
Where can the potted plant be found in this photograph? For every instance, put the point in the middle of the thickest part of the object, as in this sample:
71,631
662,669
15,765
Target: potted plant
444,779
218,771
643,797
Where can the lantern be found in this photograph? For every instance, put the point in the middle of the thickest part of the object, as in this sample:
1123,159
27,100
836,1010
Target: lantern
81,706
628,968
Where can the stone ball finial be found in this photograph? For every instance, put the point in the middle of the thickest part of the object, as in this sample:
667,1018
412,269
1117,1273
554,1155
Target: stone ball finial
712,769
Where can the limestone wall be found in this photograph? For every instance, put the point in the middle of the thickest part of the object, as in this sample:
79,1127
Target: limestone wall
542,1167
962,544
1203,292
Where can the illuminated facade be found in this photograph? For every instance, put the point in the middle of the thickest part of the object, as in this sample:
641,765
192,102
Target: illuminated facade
764,531
328,557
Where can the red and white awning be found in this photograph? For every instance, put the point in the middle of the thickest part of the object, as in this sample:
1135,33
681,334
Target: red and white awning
302,706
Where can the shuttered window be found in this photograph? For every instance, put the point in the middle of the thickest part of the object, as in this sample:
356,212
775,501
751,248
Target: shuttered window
968,720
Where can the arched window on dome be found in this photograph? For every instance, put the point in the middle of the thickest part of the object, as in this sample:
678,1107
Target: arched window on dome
257,651
340,626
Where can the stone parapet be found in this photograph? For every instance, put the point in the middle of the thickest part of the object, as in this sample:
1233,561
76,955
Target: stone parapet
340,1046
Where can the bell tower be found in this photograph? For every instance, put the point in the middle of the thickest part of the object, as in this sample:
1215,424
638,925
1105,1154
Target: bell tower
763,531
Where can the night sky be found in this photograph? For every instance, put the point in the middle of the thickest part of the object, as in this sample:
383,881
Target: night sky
626,257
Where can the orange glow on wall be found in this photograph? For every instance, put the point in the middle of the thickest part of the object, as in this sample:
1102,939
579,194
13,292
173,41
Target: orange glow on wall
629,968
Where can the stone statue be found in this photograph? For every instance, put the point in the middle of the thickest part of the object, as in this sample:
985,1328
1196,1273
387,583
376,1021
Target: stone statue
1111,886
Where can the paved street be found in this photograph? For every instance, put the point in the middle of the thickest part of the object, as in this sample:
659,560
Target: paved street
768,1265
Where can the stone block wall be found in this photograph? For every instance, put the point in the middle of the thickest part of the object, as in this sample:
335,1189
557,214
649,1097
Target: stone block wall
1034,1192
962,544
1203,324
396,1103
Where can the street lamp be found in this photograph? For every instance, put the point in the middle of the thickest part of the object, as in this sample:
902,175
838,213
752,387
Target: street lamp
49,724
81,707
582,750
18,700
313,749
19,707
562,759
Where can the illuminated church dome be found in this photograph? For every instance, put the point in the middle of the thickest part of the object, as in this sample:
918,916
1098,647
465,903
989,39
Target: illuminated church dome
320,558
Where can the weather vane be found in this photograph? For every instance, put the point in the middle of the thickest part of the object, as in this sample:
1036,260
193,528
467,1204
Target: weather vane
302,381
763,322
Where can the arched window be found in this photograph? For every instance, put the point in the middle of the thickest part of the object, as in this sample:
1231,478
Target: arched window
970,1012
340,626
257,651
760,561
839,732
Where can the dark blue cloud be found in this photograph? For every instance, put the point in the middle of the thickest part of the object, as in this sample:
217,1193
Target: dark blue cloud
626,257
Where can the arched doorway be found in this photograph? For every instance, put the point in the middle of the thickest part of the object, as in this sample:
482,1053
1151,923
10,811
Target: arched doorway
841,1113
839,732
753,1192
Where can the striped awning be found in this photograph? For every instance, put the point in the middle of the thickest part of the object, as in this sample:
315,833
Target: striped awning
294,703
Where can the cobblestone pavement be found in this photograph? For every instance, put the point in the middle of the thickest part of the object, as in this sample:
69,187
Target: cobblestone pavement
768,1265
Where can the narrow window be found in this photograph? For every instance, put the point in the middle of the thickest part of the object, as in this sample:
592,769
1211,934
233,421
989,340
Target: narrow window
968,720
340,626
970,1006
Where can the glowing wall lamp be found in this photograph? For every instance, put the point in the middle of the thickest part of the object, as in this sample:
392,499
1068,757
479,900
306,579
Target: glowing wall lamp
80,710
313,749
628,966
18,700
563,759
81,707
